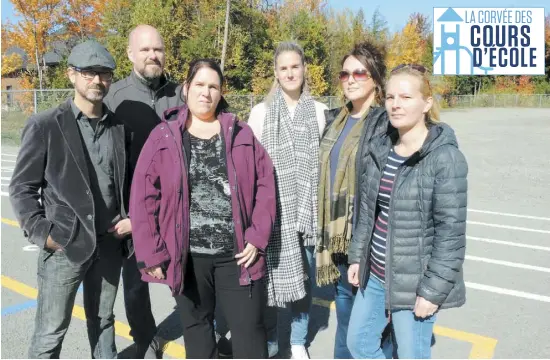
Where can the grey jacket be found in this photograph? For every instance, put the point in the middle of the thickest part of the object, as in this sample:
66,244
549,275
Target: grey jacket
50,188
141,108
427,221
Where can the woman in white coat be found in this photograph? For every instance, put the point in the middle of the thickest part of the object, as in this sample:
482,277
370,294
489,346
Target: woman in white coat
289,124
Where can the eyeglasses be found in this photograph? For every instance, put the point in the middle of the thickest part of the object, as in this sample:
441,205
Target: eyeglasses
358,75
91,74
416,67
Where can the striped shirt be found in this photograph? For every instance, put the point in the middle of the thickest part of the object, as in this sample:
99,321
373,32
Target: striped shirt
380,234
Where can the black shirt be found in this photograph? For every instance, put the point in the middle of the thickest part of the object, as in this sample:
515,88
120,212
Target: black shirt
211,230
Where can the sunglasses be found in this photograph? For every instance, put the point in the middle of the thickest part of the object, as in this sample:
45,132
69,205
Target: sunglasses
358,75
416,67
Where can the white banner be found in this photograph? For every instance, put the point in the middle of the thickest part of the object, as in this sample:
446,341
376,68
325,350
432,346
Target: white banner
488,41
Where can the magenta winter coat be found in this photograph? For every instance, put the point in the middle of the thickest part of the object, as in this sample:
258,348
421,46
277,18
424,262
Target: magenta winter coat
159,199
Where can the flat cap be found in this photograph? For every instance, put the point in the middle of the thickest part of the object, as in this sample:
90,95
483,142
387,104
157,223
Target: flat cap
91,54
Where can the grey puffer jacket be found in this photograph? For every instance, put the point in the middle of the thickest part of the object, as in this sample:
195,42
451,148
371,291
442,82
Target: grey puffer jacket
427,220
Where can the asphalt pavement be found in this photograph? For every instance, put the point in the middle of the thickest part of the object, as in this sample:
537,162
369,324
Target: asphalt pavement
507,267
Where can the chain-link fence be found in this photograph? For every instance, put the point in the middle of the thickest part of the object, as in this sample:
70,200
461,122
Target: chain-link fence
18,105
498,100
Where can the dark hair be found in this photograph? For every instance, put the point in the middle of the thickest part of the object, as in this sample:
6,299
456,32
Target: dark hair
373,59
194,68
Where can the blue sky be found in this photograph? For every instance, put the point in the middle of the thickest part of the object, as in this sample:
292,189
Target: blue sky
396,12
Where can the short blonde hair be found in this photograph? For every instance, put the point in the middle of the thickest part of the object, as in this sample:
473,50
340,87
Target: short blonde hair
420,72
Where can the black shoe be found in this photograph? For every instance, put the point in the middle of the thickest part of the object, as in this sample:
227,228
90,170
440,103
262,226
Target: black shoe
225,349
149,351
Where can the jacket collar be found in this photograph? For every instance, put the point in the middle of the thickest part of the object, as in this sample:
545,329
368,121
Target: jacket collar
180,115
69,130
141,84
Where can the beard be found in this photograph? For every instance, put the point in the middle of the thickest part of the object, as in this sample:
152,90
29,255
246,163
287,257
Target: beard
150,72
94,93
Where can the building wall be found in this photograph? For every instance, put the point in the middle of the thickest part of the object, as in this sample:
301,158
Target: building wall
14,82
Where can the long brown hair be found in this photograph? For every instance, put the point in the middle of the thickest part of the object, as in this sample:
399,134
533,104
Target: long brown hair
373,59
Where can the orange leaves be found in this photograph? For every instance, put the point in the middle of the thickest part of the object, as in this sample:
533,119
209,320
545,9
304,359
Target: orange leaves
406,46
34,31
515,84
44,21
11,63
83,17
525,86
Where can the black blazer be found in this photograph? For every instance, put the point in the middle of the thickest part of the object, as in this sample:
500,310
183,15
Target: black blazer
50,187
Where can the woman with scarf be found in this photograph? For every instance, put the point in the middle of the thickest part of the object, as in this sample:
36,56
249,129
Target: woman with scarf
288,124
348,130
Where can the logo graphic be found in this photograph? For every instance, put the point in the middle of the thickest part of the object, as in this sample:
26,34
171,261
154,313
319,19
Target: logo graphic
488,41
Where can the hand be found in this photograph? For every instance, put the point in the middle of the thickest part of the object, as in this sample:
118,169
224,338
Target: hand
52,245
248,255
423,308
156,272
353,275
122,228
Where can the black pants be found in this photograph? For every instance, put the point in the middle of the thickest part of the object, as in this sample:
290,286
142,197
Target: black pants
137,303
211,281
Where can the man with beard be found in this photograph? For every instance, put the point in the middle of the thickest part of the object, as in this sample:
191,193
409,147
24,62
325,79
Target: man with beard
139,101
67,192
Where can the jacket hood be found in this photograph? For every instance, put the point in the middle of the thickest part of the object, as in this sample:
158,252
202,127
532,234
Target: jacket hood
439,134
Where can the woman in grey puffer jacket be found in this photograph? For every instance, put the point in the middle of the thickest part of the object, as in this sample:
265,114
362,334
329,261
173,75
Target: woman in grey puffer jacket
409,240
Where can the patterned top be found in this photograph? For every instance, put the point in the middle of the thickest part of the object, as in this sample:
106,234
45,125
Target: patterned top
378,243
211,230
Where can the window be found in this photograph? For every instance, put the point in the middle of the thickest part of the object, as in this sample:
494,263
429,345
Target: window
9,95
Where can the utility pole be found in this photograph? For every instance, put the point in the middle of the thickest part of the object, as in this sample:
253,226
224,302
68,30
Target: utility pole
226,32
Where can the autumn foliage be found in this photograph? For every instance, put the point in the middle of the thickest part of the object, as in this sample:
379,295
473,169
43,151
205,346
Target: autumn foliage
195,28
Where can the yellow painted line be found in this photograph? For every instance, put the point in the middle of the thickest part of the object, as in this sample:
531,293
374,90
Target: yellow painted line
121,329
10,222
482,347
19,288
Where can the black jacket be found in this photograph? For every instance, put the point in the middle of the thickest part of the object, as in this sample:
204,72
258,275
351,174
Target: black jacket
376,124
140,108
50,186
427,220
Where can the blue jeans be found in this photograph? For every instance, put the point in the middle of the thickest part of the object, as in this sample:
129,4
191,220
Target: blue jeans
368,319
344,302
299,310
58,282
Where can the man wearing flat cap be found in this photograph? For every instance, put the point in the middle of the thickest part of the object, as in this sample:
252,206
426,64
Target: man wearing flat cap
67,192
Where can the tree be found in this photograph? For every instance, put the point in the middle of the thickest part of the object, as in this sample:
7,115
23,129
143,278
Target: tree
83,18
421,23
36,29
11,63
547,41
406,47
377,29
225,32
